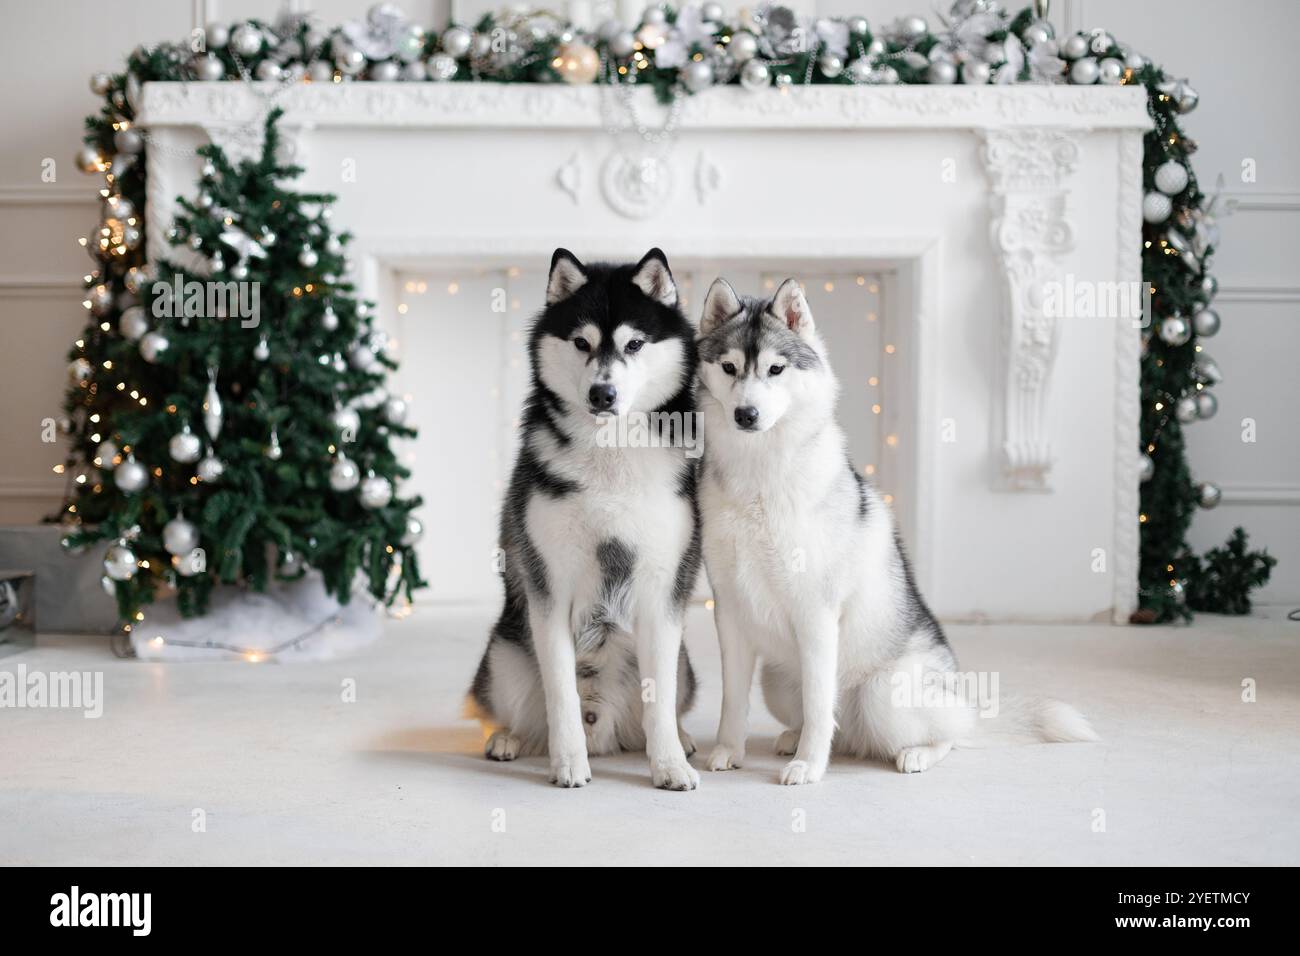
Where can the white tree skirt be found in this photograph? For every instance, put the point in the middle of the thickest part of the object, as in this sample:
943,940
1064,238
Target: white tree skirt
292,621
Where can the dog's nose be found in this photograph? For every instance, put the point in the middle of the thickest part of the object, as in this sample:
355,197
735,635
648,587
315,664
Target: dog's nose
746,416
602,397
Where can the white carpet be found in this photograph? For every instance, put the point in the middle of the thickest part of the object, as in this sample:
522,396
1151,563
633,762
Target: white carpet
286,772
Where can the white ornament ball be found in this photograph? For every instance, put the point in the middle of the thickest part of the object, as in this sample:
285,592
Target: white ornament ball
120,562
1146,468
1111,71
395,410
976,73
441,67
308,257
414,72
385,72
320,72
1206,322
106,452
152,346
346,421
712,12
268,70
697,75
860,70
456,41
246,40
180,536
347,58
413,533
1207,406
133,325
344,473
1084,71
1156,207
207,68
941,73
743,46
185,446
376,491
755,76
1208,494
1171,177
858,26
830,65
622,45
1074,47
189,564
210,469
131,476
1175,331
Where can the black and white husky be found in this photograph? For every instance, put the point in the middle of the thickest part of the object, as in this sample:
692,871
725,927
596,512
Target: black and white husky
807,569
601,539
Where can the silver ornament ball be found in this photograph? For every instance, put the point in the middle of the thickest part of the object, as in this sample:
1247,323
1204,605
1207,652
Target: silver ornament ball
152,347
1206,322
1175,331
180,536
743,46
120,562
830,65
1146,468
344,474
132,324
246,40
697,75
210,469
456,41
1171,177
413,533
1156,207
376,491
185,446
441,67
1207,406
1186,410
131,476
1208,494
941,73
1075,47
1084,71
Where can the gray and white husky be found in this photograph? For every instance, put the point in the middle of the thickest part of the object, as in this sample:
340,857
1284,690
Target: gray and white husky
601,540
807,569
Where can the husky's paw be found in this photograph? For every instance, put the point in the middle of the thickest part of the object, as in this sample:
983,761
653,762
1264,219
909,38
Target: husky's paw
787,743
798,772
726,758
918,759
570,771
688,742
674,773
502,745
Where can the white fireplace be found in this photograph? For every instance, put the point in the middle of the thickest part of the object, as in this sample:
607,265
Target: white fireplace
924,221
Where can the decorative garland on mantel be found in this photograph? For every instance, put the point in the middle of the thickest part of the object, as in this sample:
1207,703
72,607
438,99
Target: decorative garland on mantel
687,51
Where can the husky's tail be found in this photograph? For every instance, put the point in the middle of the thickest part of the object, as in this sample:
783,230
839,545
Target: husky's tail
1028,720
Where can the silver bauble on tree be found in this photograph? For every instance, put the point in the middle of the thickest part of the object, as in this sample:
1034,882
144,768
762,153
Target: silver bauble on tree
120,562
210,468
185,446
180,536
1084,71
191,563
1206,369
1175,330
1208,494
1156,207
1185,409
133,325
1146,468
413,533
395,410
344,473
697,75
246,40
1206,322
346,422
131,476
1207,406
830,65
1171,177
456,41
755,76
375,492
941,73
152,346
743,46
1074,47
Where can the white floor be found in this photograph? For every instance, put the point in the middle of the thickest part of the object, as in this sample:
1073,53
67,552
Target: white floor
285,772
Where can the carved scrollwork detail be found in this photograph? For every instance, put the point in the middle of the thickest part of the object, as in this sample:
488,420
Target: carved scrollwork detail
636,185
1028,169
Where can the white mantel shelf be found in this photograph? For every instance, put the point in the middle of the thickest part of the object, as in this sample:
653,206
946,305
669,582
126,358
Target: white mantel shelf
498,105
973,197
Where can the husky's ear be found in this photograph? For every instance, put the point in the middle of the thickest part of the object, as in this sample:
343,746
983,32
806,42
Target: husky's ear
720,304
653,277
790,306
567,276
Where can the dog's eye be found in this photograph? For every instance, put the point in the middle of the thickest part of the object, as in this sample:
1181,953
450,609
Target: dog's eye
776,370
634,346
729,368
581,344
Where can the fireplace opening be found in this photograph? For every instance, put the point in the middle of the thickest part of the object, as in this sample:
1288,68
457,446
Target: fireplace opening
460,332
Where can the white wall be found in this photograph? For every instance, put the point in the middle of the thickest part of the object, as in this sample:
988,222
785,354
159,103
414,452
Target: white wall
1231,56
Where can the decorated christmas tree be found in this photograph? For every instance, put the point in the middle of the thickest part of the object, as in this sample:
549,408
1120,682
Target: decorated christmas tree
227,412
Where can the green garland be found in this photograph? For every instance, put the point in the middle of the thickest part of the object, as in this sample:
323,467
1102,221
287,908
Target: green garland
978,43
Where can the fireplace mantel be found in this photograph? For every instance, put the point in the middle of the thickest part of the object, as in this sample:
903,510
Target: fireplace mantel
981,196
